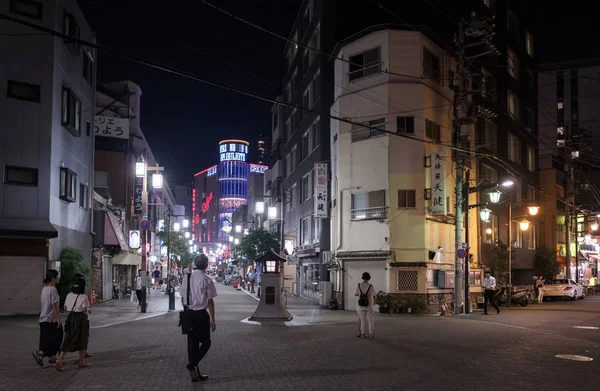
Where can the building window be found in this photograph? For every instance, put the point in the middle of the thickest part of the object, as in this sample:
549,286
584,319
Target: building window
488,85
293,84
71,29
305,237
405,125
489,230
365,64
23,91
288,130
407,199
512,25
88,67
68,185
431,66
432,130
23,176
306,187
316,230
314,133
530,159
513,105
83,195
368,206
30,8
370,130
315,89
307,143
490,134
529,43
530,120
305,104
315,43
305,62
531,238
514,148
512,62
71,112
489,174
530,193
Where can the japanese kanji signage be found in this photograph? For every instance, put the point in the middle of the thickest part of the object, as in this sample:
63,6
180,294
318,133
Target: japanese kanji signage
111,127
138,196
321,190
438,184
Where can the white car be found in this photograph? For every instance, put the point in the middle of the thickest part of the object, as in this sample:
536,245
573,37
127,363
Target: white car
563,288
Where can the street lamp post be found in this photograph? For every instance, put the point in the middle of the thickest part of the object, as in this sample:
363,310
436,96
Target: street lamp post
170,287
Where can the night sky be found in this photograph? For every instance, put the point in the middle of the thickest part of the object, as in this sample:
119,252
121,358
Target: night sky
183,120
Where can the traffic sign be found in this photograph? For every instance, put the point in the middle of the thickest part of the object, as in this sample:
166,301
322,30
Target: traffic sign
461,253
144,225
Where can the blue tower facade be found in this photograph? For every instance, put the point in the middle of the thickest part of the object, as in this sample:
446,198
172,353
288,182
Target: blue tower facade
233,172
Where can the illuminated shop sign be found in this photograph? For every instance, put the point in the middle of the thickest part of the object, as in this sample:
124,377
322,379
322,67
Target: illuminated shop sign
206,203
211,171
233,152
257,168
226,226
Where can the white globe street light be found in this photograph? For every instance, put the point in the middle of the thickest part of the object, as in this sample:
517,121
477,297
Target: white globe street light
524,224
495,196
484,214
533,210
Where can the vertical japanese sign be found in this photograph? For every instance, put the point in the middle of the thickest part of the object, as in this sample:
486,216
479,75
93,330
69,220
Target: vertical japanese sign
137,196
321,190
438,186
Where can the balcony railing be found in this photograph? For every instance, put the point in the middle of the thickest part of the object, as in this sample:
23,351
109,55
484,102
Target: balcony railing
368,70
361,134
376,213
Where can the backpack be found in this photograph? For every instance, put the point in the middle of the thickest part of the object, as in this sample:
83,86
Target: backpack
363,299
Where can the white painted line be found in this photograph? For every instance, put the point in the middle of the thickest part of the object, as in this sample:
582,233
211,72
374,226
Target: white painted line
574,357
290,323
251,295
127,321
586,327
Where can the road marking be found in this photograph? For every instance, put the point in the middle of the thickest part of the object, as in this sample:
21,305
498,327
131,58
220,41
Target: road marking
586,327
251,295
574,357
127,321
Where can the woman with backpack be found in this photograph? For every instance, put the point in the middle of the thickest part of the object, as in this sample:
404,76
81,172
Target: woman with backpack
366,303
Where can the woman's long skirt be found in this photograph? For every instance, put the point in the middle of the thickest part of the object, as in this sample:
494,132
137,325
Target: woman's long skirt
51,337
76,338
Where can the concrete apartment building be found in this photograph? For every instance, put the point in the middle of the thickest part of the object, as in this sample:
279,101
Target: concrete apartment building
46,147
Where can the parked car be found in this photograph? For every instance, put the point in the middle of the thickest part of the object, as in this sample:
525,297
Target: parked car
563,288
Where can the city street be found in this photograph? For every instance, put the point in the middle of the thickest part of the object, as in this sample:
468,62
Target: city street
319,350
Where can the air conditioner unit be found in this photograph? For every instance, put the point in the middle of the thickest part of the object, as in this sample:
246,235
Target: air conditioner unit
325,290
327,256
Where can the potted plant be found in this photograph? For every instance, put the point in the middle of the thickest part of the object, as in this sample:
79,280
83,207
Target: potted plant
383,300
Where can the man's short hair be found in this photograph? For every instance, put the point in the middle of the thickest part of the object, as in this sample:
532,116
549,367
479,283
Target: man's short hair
201,262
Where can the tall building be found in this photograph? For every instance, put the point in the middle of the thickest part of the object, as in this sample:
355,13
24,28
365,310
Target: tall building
218,192
569,129
46,146
302,138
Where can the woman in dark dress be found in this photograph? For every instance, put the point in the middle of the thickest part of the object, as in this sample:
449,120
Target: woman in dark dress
76,325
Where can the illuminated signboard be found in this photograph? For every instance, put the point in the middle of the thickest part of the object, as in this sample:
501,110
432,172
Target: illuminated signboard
257,168
233,152
226,226
211,171
206,203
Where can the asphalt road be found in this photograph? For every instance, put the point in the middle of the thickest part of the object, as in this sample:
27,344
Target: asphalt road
319,351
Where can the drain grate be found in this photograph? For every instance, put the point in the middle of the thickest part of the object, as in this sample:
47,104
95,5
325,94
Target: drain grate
574,357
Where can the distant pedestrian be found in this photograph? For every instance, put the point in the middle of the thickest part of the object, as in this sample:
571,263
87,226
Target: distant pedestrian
156,275
51,331
490,289
202,292
77,277
76,327
148,282
539,287
138,287
366,303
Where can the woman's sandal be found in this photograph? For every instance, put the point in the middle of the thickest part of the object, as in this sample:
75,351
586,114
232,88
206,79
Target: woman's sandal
59,366
83,365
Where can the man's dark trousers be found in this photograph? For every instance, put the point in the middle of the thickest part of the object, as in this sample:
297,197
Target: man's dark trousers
489,297
199,338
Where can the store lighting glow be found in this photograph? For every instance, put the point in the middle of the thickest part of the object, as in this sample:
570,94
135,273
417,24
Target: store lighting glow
495,196
186,223
157,181
272,212
260,207
140,169
488,231
236,241
187,235
595,227
271,266
524,224
238,228
231,239
176,227
484,214
533,210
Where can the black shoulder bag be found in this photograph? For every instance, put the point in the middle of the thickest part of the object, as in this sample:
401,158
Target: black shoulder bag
185,317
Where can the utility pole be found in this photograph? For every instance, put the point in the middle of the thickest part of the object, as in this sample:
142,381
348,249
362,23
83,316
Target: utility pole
569,190
465,114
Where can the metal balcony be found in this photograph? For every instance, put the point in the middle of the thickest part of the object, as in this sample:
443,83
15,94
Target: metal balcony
376,213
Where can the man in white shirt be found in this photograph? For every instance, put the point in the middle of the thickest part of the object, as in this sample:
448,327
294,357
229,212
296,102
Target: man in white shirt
202,293
490,289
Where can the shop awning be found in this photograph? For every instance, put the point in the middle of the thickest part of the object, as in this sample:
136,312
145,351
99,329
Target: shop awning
127,259
26,228
113,234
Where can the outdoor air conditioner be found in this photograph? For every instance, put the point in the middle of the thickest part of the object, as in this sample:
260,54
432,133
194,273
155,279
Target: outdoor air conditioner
326,290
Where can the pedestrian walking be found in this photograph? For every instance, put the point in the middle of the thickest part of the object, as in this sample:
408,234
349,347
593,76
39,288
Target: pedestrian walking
138,287
76,330
77,277
51,331
366,303
201,307
490,289
539,287
156,275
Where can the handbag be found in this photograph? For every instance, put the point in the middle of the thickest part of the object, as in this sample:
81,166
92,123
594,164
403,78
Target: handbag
185,316
69,320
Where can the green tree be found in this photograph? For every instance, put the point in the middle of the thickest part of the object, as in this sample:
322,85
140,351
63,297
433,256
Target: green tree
178,246
499,260
257,243
72,263
545,262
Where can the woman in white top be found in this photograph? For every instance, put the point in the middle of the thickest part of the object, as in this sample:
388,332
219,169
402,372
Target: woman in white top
366,302
76,330
51,332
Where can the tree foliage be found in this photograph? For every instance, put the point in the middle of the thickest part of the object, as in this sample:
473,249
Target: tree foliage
545,263
72,263
499,260
257,243
178,246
